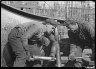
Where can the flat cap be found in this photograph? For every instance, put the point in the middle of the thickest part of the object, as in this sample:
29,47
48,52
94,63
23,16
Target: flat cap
68,22
52,21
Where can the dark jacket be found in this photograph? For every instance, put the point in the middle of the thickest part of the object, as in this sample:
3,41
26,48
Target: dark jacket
84,36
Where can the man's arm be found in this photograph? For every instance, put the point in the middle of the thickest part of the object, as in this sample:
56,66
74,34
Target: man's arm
52,37
54,44
45,40
53,51
90,29
29,33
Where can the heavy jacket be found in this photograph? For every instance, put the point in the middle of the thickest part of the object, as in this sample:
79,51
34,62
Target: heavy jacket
83,35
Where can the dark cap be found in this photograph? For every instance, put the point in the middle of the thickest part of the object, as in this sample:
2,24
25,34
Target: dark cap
70,22
51,21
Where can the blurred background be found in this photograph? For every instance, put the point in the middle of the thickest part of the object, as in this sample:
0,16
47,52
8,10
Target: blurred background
78,10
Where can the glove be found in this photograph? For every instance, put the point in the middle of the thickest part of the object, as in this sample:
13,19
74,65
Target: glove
72,56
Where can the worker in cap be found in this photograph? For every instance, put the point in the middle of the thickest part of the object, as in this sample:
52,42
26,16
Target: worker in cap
19,40
81,34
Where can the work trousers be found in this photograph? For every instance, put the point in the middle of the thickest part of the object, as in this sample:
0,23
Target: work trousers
17,47
19,52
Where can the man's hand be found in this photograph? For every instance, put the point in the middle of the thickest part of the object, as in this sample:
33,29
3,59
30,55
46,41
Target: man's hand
28,56
53,57
71,56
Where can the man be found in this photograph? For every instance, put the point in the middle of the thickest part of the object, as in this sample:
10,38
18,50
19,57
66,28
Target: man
18,39
50,34
14,39
39,33
63,41
81,35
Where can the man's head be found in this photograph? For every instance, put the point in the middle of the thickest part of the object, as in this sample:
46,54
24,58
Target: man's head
50,24
72,25
49,28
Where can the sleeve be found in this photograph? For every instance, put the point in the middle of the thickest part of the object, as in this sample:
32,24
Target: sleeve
52,37
53,51
29,33
54,44
45,41
91,30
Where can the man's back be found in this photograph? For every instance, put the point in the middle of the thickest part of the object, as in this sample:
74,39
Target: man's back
25,27
83,35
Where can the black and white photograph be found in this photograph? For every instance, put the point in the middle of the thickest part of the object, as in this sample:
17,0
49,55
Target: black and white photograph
48,34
